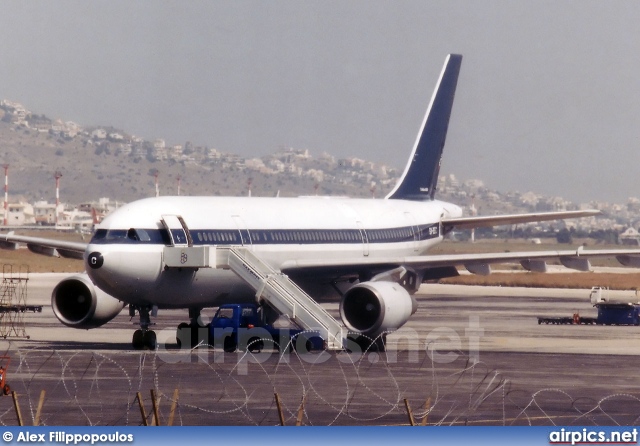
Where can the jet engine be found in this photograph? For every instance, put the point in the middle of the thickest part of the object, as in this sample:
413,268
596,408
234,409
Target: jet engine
78,303
374,307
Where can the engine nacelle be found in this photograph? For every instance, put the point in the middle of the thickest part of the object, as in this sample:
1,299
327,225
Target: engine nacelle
374,307
78,303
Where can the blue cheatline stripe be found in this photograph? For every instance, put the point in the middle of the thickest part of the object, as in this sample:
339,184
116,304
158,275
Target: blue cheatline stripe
271,236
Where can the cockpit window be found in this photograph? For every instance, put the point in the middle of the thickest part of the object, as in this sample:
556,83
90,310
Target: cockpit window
133,235
138,235
99,235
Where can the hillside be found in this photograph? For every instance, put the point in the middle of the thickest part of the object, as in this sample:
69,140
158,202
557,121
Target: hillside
123,169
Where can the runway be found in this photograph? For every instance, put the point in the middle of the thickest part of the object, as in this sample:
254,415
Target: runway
470,355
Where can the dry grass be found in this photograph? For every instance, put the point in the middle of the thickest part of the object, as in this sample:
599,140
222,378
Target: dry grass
42,264
570,279
551,280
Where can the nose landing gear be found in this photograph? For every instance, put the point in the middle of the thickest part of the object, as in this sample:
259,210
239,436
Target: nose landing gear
143,337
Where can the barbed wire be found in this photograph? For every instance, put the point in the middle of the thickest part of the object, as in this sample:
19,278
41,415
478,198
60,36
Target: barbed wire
85,387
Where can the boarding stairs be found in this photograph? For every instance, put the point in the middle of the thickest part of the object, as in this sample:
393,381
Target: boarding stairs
281,293
270,285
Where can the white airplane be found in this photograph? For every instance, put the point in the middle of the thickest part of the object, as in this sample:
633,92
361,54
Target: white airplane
198,252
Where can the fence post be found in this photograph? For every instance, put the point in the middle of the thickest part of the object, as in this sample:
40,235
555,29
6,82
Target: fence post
411,420
427,408
280,414
142,411
17,407
174,404
300,412
36,420
154,405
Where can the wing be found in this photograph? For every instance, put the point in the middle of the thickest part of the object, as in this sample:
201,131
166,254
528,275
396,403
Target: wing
44,246
497,220
476,263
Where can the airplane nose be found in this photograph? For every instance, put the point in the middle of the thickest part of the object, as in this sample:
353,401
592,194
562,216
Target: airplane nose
95,260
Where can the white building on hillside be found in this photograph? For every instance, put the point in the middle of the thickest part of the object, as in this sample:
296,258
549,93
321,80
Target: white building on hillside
20,214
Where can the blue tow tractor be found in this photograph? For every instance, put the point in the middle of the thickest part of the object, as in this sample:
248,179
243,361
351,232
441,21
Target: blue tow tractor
242,327
618,314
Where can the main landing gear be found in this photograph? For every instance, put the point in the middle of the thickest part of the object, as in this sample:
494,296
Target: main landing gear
194,333
143,337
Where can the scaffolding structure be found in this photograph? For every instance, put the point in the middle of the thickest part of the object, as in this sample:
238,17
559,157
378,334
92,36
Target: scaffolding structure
13,301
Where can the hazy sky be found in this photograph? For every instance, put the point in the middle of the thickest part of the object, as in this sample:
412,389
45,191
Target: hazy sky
548,98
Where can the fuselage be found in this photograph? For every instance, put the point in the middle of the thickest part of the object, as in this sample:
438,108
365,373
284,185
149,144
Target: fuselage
131,240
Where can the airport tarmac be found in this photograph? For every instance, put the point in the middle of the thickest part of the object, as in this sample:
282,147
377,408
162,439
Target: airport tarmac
470,355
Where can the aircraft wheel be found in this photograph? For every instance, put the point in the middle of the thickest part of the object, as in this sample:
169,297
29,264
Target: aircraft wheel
380,344
229,344
138,340
183,335
199,334
6,390
150,340
308,346
255,345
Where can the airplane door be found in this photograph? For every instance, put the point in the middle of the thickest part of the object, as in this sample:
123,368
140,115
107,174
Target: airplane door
414,230
245,235
365,239
177,229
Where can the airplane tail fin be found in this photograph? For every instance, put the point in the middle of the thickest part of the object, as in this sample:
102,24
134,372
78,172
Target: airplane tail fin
418,182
